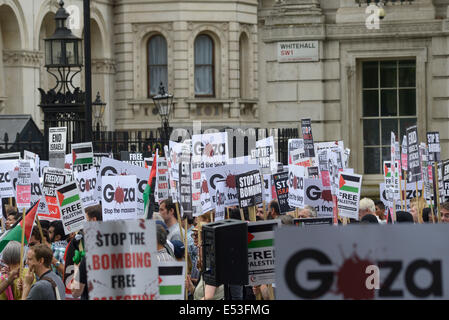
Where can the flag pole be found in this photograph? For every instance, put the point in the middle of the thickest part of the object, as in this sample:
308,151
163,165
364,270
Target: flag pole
185,253
436,178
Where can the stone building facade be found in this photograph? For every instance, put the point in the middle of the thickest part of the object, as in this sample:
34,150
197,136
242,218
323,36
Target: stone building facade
221,61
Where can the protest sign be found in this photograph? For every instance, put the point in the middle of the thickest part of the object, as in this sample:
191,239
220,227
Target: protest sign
318,197
313,173
82,156
161,192
265,155
6,188
407,194
173,158
42,164
36,191
349,195
226,173
261,258
425,170
267,186
391,179
87,183
323,166
206,201
306,128
68,161
249,188
389,262
294,144
281,185
433,143
312,221
185,187
119,197
98,158
413,159
112,167
171,280
296,186
121,260
133,158
53,178
212,148
298,158
330,145
23,197
57,137
220,198
10,156
28,155
446,177
71,208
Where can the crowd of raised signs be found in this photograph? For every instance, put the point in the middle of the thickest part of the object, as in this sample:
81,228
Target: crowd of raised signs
88,226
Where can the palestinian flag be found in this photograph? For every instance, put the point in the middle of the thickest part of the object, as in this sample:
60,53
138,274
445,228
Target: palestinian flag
15,234
82,153
349,183
261,235
171,280
387,169
68,194
147,191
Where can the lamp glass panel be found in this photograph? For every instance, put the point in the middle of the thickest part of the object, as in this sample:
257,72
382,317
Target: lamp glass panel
56,52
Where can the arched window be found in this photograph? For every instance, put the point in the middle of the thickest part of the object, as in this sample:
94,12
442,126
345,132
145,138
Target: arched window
157,64
204,66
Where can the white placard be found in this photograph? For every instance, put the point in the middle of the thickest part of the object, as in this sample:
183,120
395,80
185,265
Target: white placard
121,258
71,208
119,197
87,183
296,186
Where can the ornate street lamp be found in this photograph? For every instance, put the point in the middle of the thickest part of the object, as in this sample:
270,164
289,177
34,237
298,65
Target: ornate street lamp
98,107
163,101
64,105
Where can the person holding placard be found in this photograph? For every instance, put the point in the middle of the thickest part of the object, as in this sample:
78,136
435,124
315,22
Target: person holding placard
167,210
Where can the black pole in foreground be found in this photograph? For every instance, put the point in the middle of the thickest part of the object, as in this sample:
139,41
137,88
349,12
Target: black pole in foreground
87,70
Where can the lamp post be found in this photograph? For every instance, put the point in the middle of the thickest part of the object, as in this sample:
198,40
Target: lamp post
163,101
98,108
63,105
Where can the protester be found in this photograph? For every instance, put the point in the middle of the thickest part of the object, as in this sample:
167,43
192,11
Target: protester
191,248
58,246
380,210
404,217
414,203
428,216
49,286
10,283
11,218
286,219
369,218
366,206
167,210
36,237
179,250
274,211
444,211
161,237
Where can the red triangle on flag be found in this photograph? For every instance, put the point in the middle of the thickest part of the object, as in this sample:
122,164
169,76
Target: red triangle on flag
60,197
73,156
250,237
385,170
342,182
29,220
160,280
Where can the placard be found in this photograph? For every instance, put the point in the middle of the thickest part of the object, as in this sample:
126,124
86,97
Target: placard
57,137
212,148
185,187
363,262
23,197
171,280
36,191
413,159
119,197
6,188
318,197
87,183
265,155
281,185
294,144
261,257
53,178
348,195
408,194
249,188
82,156
133,158
220,197
312,221
306,128
433,143
296,186
161,192
71,208
121,258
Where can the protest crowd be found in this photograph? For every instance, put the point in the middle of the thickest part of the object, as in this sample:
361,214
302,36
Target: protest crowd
189,222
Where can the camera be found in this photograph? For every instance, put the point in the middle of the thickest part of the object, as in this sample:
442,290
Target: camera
381,13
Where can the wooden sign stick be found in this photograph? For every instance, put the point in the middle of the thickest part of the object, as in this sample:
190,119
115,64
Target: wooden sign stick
40,229
179,219
437,192
402,196
252,213
242,215
419,202
185,254
265,213
22,244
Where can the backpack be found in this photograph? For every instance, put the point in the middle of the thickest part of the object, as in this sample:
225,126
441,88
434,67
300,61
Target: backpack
53,284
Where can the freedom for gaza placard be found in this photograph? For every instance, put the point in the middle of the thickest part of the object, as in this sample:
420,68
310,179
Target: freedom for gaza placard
261,258
211,148
121,260
53,178
389,262
296,186
119,197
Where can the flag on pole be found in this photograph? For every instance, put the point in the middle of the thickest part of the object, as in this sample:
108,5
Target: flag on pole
15,234
147,191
